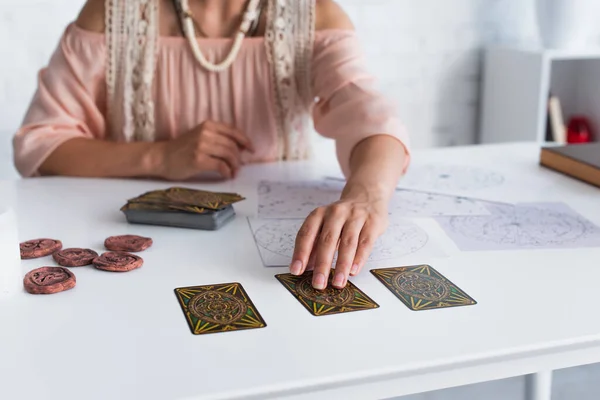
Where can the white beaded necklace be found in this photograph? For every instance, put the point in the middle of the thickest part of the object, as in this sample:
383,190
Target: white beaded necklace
250,15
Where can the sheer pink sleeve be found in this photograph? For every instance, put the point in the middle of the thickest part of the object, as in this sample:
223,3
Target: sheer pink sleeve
350,109
67,103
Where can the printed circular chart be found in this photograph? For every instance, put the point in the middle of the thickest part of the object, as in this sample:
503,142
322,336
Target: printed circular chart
451,177
274,197
401,239
524,226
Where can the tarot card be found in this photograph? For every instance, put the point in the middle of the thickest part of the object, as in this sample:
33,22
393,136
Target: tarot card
178,196
422,288
218,308
329,301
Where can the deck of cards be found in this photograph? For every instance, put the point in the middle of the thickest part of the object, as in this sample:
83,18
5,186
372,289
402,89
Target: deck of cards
182,208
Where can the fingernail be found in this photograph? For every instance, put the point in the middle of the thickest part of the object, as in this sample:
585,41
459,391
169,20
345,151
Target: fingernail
354,269
339,280
319,281
296,268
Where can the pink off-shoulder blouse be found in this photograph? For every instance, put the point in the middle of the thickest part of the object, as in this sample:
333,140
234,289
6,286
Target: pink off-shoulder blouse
71,98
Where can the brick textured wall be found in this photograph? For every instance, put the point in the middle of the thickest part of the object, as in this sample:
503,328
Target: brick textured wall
426,53
428,56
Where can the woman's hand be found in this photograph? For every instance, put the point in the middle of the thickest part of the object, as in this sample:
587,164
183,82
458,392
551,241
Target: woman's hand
351,226
210,147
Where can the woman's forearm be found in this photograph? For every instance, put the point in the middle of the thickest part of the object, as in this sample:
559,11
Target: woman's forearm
376,165
81,157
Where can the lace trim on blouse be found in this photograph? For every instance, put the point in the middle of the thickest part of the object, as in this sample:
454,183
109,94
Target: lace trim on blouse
132,31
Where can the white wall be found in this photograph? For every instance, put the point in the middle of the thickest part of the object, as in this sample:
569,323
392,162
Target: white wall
29,31
427,53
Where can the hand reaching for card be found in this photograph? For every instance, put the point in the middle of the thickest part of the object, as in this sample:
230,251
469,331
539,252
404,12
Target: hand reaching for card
351,226
210,147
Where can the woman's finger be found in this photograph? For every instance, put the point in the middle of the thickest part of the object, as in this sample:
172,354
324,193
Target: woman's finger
328,241
224,153
313,256
366,241
305,240
347,251
241,139
225,141
220,166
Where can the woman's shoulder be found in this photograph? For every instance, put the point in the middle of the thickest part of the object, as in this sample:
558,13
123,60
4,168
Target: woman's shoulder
91,18
330,15
82,44
333,26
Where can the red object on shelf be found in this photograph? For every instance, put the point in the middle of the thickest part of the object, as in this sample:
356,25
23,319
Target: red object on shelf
579,130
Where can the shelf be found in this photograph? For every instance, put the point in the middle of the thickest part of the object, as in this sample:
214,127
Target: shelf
573,54
518,81
556,54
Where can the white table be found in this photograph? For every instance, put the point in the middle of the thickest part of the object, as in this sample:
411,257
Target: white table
124,336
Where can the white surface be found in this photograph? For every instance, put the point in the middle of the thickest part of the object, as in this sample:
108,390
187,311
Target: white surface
431,68
517,83
124,336
11,280
567,23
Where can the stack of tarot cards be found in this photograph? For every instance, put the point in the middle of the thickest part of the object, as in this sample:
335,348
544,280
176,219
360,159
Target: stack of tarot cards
182,208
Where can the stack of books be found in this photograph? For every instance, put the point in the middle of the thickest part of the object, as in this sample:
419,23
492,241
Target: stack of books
580,161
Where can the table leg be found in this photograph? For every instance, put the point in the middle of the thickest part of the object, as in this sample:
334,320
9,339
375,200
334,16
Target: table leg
539,386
